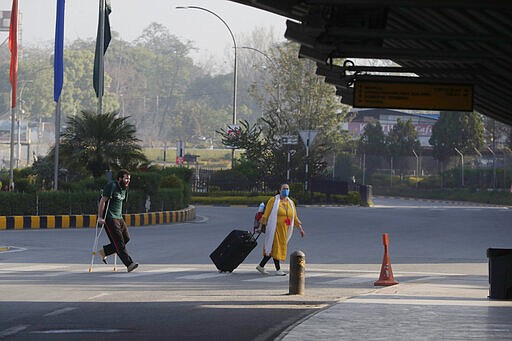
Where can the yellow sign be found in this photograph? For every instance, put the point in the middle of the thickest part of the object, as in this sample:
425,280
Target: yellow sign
403,95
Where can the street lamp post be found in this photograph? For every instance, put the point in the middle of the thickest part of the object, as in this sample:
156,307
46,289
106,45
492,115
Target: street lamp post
417,167
18,121
274,65
277,70
461,166
493,167
234,66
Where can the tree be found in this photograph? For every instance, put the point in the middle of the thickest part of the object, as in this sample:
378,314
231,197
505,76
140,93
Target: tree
461,130
152,79
77,92
495,132
256,149
373,140
99,143
402,140
155,83
294,98
373,144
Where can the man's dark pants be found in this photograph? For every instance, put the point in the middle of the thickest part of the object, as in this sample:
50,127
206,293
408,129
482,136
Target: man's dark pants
118,234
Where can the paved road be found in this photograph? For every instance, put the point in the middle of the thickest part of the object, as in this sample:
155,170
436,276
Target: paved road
47,292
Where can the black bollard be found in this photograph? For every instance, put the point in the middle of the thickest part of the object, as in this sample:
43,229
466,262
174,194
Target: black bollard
297,273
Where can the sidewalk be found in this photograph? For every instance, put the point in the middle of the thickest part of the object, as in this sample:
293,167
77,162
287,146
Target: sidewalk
451,307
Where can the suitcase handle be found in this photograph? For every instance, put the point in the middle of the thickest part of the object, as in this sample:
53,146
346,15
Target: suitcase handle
254,232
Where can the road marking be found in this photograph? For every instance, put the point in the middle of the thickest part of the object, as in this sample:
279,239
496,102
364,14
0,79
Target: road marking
54,274
149,272
311,274
10,249
268,278
60,311
329,272
29,268
98,296
264,306
203,276
426,279
13,330
365,278
75,331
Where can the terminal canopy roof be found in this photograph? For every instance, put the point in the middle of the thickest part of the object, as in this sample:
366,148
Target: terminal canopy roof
441,41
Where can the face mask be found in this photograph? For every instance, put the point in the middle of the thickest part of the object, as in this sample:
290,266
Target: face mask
285,192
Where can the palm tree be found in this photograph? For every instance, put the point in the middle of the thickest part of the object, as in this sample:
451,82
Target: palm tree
100,142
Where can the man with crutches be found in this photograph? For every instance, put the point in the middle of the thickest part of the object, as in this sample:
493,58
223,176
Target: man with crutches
114,193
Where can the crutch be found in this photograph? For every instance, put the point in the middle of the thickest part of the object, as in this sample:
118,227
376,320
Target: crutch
97,234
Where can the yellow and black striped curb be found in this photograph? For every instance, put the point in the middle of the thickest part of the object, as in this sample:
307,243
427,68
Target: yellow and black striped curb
89,220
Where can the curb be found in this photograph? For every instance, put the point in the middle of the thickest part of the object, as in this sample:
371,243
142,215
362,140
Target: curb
452,202
89,220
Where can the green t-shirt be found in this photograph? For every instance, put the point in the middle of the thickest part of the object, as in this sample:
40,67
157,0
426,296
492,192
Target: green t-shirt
113,191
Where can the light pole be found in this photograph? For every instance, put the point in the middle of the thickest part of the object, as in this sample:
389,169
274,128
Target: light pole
234,66
479,161
493,167
461,167
278,109
18,121
277,70
417,168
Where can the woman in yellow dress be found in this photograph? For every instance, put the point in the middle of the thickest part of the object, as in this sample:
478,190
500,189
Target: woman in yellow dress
280,217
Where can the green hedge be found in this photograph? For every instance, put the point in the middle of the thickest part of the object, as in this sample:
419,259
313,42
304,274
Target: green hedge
229,200
169,189
86,202
164,200
352,198
232,194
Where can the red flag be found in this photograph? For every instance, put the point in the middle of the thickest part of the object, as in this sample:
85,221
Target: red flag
13,46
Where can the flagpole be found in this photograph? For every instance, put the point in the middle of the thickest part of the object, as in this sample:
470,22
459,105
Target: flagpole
101,55
13,75
11,162
58,75
57,143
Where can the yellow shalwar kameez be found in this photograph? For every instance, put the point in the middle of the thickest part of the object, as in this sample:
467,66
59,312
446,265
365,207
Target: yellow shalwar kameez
279,245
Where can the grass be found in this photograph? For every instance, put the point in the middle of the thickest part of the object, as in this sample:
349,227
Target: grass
208,158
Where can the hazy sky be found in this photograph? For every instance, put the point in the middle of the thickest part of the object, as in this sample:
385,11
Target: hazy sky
130,17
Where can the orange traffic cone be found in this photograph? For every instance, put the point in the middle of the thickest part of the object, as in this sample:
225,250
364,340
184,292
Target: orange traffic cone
386,273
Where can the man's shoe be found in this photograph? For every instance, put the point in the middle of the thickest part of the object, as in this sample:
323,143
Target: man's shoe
103,256
132,267
280,273
262,270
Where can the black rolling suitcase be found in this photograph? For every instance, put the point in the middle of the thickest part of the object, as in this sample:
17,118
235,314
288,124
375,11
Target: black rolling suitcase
233,250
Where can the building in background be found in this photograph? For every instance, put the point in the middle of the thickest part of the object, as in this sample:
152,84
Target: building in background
387,118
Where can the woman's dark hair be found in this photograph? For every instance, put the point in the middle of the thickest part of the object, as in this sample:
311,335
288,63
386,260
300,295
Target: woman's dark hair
122,173
281,185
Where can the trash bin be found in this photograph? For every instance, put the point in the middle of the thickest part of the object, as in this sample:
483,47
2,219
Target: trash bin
500,273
